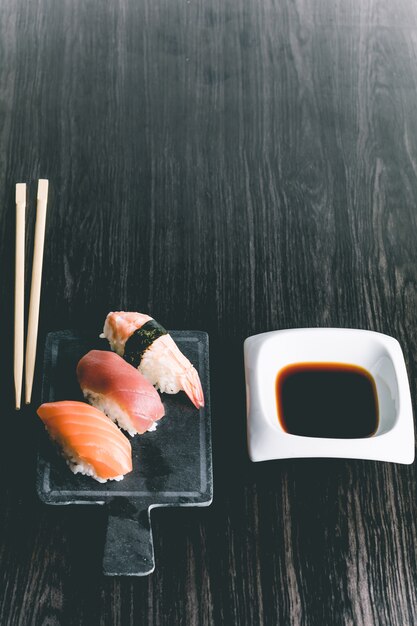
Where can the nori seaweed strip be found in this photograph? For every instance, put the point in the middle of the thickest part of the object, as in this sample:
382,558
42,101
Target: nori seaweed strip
140,341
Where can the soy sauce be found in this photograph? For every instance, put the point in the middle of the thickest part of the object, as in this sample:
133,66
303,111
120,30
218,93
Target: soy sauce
334,400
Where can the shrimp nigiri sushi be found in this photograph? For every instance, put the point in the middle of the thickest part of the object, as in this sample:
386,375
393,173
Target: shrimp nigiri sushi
120,391
90,442
144,343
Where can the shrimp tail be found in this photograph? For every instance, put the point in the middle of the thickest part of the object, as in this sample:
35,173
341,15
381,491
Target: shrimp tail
190,383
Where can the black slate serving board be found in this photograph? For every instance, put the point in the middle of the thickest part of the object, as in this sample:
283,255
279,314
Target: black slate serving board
172,466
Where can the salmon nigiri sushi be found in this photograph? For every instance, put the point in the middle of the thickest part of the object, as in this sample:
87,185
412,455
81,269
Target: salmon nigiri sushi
90,442
146,345
120,391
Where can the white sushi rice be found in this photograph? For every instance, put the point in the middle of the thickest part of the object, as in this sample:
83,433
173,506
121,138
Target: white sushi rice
159,372
78,466
112,410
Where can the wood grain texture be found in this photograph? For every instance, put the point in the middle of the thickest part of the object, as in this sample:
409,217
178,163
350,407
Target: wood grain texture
233,166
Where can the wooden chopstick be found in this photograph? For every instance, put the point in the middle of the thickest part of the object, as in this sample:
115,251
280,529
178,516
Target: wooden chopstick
35,290
19,291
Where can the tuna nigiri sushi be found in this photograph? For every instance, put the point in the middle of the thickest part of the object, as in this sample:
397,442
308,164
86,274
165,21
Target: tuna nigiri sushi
90,442
120,391
144,343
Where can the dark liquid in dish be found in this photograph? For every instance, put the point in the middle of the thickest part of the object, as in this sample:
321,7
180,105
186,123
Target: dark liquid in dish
334,400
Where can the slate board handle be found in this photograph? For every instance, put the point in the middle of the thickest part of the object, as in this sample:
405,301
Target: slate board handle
128,550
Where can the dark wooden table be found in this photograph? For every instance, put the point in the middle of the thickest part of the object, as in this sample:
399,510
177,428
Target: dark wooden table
232,166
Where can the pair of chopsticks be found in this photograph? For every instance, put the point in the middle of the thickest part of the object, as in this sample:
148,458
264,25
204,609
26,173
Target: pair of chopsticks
35,290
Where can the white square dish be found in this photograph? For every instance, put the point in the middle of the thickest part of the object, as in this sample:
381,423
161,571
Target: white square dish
267,353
